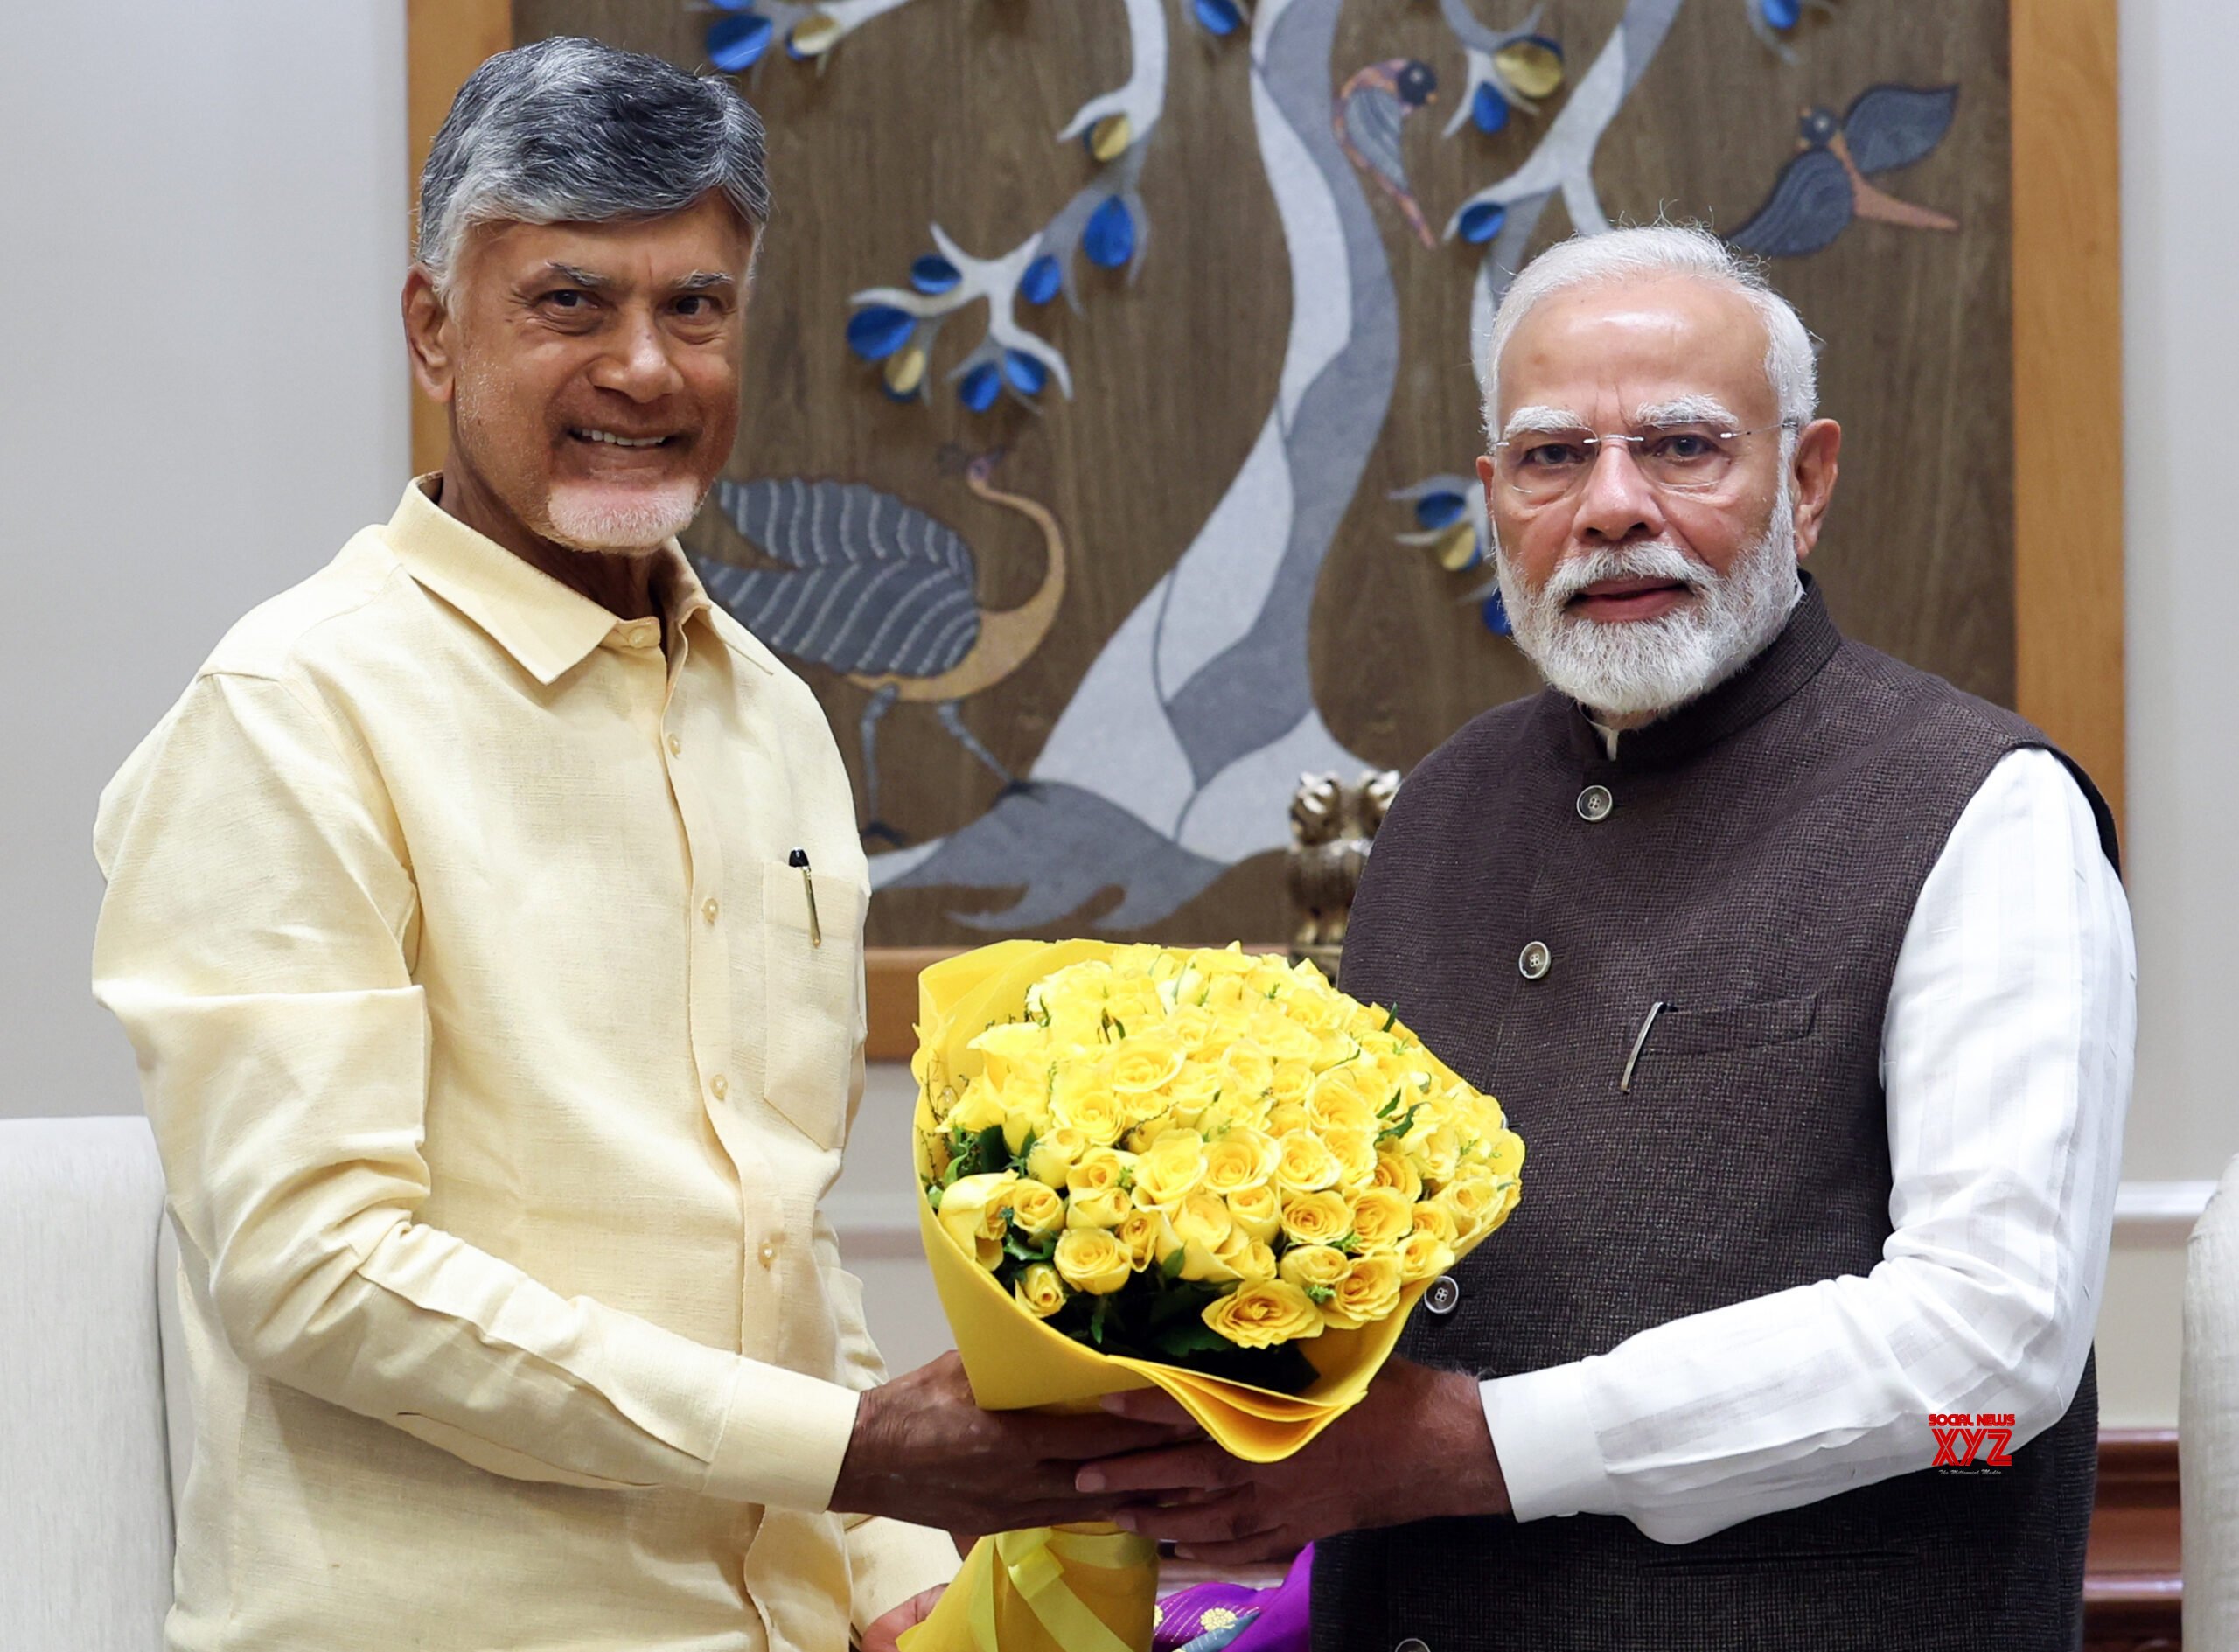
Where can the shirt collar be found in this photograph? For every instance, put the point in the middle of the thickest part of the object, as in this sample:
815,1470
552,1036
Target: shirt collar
547,627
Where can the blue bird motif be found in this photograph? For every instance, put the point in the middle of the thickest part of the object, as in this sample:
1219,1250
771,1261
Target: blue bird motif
885,594
1371,107
1820,191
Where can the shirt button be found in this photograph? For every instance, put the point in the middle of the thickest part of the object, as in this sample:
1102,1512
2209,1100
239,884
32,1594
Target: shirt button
719,1086
709,909
1595,803
675,746
1443,1296
1535,960
768,1253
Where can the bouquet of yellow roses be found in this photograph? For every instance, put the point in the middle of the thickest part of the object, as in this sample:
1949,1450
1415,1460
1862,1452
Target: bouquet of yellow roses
1204,1170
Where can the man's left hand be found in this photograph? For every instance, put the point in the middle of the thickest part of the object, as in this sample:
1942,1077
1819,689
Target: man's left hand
1416,1447
886,1634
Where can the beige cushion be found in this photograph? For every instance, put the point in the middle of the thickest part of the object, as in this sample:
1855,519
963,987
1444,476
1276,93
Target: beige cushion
2208,1424
85,1492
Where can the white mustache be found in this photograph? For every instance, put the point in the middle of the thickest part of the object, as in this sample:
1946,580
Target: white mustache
1657,560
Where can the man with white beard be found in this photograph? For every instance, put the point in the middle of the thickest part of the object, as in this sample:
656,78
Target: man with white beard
1809,982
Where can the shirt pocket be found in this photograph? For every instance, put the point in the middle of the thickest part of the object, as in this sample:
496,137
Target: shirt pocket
813,996
1732,1026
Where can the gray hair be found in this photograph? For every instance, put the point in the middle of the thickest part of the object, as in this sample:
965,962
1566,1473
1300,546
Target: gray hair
571,131
1644,253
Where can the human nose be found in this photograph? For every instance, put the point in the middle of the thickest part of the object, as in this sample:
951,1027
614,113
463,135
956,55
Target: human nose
639,365
1616,503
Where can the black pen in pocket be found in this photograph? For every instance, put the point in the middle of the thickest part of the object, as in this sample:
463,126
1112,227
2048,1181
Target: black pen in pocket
800,858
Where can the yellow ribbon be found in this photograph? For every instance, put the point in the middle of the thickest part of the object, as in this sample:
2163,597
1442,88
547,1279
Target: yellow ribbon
1034,1563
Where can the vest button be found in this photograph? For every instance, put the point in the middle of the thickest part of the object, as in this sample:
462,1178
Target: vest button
1410,1644
1444,1295
1535,960
1595,803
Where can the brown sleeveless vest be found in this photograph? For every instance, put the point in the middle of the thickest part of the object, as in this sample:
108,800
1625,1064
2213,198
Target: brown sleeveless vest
1754,867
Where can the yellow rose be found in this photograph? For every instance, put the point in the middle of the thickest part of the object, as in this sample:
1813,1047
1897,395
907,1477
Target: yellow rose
1171,1169
1393,1171
1250,1070
1264,1313
1229,995
972,1213
1093,1260
1191,1025
1368,1292
1243,1158
1505,1156
1317,1268
1198,1227
1434,1150
1438,1221
1145,1061
1282,1038
1193,1090
1038,1290
1100,1169
1293,1078
1250,1258
1423,1255
1317,1218
1381,1218
1256,1210
1146,1235
1480,1203
1232,959
1037,1210
979,1108
1355,1152
1013,1044
1345,1099
1286,1117
1051,1160
1083,1103
1107,1208
1304,1163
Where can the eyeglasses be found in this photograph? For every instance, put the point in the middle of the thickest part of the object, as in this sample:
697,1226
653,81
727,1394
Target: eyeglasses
1544,465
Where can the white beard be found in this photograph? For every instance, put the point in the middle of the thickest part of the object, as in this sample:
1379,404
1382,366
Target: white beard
1650,667
601,519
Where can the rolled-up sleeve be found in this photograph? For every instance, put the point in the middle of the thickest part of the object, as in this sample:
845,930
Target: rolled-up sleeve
255,942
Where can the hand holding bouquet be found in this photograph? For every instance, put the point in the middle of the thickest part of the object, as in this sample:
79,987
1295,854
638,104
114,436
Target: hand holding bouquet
1202,1170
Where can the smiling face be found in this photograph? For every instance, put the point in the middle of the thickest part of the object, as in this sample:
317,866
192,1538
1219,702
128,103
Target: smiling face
1632,581
592,373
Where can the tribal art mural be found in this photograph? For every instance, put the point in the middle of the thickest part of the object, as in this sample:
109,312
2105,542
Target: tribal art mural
1113,394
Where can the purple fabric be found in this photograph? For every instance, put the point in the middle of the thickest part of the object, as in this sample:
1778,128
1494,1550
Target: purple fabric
1281,1627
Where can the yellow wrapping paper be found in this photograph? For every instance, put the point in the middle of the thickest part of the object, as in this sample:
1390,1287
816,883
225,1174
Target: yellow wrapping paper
1087,1589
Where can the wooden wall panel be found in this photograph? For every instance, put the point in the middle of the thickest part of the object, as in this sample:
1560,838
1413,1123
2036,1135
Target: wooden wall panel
2068,382
445,41
2007,577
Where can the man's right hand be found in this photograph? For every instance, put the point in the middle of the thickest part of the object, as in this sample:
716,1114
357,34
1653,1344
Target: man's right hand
923,1451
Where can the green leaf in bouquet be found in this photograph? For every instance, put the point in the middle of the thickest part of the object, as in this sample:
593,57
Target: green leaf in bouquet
1025,1152
1391,1017
1189,1337
1170,1269
933,1193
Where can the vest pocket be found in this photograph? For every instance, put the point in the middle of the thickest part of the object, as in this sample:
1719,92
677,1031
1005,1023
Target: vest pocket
1708,1031
813,1012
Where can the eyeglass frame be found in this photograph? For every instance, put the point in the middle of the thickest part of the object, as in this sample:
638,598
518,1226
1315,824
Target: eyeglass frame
1597,438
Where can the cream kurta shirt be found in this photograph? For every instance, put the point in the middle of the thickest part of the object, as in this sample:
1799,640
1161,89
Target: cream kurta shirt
497,1077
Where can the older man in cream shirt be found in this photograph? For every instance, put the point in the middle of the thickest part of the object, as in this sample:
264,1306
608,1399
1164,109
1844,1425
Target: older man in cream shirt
487,918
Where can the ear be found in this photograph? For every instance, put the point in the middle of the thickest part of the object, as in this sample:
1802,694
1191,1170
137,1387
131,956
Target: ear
1813,474
430,336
